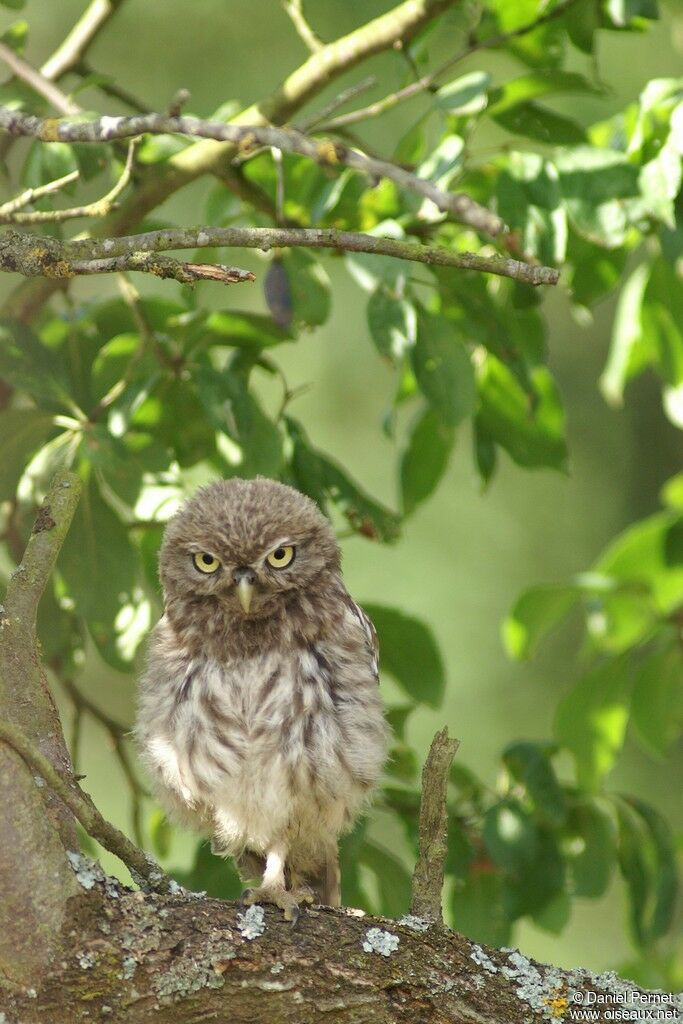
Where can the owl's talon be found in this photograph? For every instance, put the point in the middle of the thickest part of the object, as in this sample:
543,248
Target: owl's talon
278,896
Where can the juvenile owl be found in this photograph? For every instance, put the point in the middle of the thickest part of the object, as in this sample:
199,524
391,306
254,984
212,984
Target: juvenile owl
259,714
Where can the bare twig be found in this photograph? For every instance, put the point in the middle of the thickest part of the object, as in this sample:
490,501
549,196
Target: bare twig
324,151
100,208
49,257
111,88
83,809
424,82
429,869
316,118
295,11
37,81
31,194
117,734
79,40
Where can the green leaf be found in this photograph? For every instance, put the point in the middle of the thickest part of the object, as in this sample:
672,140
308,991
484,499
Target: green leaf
215,876
591,720
244,330
535,613
657,704
537,83
477,908
623,12
309,287
100,567
392,322
530,426
234,411
630,349
530,765
23,431
660,181
600,189
28,365
160,833
529,201
443,369
190,436
541,124
649,553
647,860
595,272
409,653
393,880
443,161
156,149
16,36
324,481
464,96
48,162
592,846
583,20
425,459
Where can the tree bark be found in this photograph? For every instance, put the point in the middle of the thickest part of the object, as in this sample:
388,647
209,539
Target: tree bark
166,959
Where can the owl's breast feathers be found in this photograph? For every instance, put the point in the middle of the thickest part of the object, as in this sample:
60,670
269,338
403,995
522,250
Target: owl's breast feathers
285,734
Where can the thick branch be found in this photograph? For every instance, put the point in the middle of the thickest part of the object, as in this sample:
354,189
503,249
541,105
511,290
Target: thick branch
28,581
429,870
49,257
167,959
461,207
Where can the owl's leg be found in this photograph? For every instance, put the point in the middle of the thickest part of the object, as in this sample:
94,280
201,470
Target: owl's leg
273,889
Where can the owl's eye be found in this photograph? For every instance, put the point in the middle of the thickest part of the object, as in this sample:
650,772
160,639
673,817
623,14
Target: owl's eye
205,562
281,557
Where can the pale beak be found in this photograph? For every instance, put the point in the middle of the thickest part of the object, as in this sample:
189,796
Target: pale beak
245,592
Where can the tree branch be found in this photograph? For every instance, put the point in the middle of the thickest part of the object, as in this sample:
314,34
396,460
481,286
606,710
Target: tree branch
37,81
209,157
429,869
425,82
79,40
100,208
52,258
295,11
83,809
28,581
323,151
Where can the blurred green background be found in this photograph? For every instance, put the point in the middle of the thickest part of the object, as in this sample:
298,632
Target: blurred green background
465,555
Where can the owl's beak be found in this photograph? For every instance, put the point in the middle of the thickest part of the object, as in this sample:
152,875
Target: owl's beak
245,592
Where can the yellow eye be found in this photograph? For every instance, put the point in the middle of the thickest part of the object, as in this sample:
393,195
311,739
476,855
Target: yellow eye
281,557
205,562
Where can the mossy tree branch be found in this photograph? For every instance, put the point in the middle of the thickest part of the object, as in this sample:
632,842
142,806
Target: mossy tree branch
52,258
395,27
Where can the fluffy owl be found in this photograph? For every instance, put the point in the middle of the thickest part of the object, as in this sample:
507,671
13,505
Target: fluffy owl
259,715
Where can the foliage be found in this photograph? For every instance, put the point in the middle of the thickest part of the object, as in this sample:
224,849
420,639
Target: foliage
148,397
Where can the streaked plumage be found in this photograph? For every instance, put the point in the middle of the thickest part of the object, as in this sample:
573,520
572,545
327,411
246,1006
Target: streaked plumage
263,729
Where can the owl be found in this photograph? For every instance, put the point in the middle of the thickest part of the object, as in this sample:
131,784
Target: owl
259,715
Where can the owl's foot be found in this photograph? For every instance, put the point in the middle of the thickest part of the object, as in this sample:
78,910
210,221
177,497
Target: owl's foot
287,900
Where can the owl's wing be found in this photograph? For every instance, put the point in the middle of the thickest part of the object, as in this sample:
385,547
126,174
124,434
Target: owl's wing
370,633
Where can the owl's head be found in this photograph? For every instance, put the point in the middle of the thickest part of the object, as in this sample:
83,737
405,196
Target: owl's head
247,543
